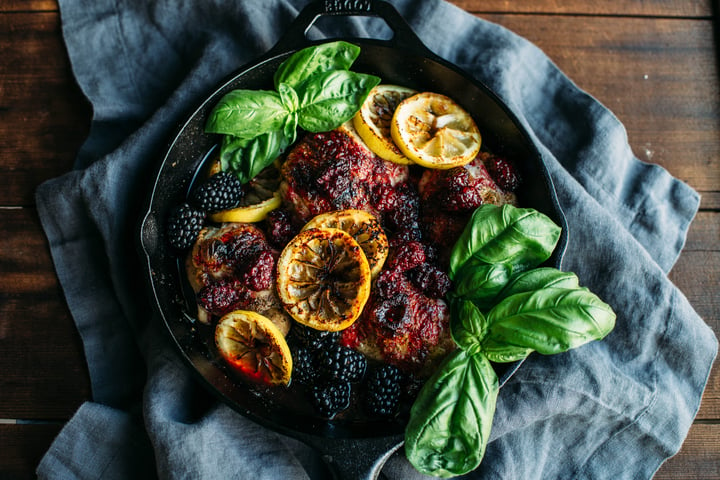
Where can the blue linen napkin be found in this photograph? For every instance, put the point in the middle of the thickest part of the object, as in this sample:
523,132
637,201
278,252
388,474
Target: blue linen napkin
614,409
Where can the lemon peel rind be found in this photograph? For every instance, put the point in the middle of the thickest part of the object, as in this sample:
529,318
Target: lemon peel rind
288,281
441,119
375,247
377,141
239,327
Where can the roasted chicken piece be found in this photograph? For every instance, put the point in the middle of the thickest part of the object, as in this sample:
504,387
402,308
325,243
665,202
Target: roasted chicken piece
335,171
233,267
448,197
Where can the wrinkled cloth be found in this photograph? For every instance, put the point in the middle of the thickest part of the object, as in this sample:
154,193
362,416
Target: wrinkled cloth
613,409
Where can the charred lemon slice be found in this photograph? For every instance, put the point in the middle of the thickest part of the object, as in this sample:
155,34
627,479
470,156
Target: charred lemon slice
261,197
323,278
254,347
434,131
373,120
363,227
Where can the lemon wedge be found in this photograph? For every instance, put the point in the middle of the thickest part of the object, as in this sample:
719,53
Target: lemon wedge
374,118
434,131
363,227
254,347
323,279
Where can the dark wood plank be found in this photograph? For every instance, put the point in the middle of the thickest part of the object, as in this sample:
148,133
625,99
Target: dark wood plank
704,233
699,457
23,446
44,115
659,76
695,274
44,371
685,8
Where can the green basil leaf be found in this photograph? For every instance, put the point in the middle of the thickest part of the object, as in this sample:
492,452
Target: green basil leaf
327,100
500,352
521,237
451,418
248,157
467,324
289,97
537,278
247,114
549,320
313,60
481,282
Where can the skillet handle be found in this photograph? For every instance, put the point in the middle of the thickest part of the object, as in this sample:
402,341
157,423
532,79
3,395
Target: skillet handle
404,37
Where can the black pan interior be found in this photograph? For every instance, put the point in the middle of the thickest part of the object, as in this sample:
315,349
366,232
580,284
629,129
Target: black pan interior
279,409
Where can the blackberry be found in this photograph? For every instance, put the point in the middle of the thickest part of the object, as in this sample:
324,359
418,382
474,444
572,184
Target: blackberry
407,255
389,284
219,192
313,339
279,227
304,366
258,275
405,211
342,364
432,281
382,393
384,197
330,399
503,172
411,232
184,224
220,298
393,314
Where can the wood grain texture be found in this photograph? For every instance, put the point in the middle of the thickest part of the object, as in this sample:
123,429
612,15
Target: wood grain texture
652,8
699,457
44,115
654,63
22,448
44,375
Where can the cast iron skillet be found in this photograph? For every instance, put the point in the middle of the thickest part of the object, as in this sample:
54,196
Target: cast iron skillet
352,448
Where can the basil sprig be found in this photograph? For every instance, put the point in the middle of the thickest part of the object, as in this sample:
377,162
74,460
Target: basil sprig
503,307
450,421
314,90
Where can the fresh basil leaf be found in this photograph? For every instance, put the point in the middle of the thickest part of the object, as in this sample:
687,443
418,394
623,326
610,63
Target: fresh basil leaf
248,157
313,60
521,237
289,97
329,99
501,352
451,418
467,324
481,282
247,114
549,320
537,278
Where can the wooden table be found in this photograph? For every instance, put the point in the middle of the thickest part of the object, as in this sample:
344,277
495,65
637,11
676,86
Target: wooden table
652,62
